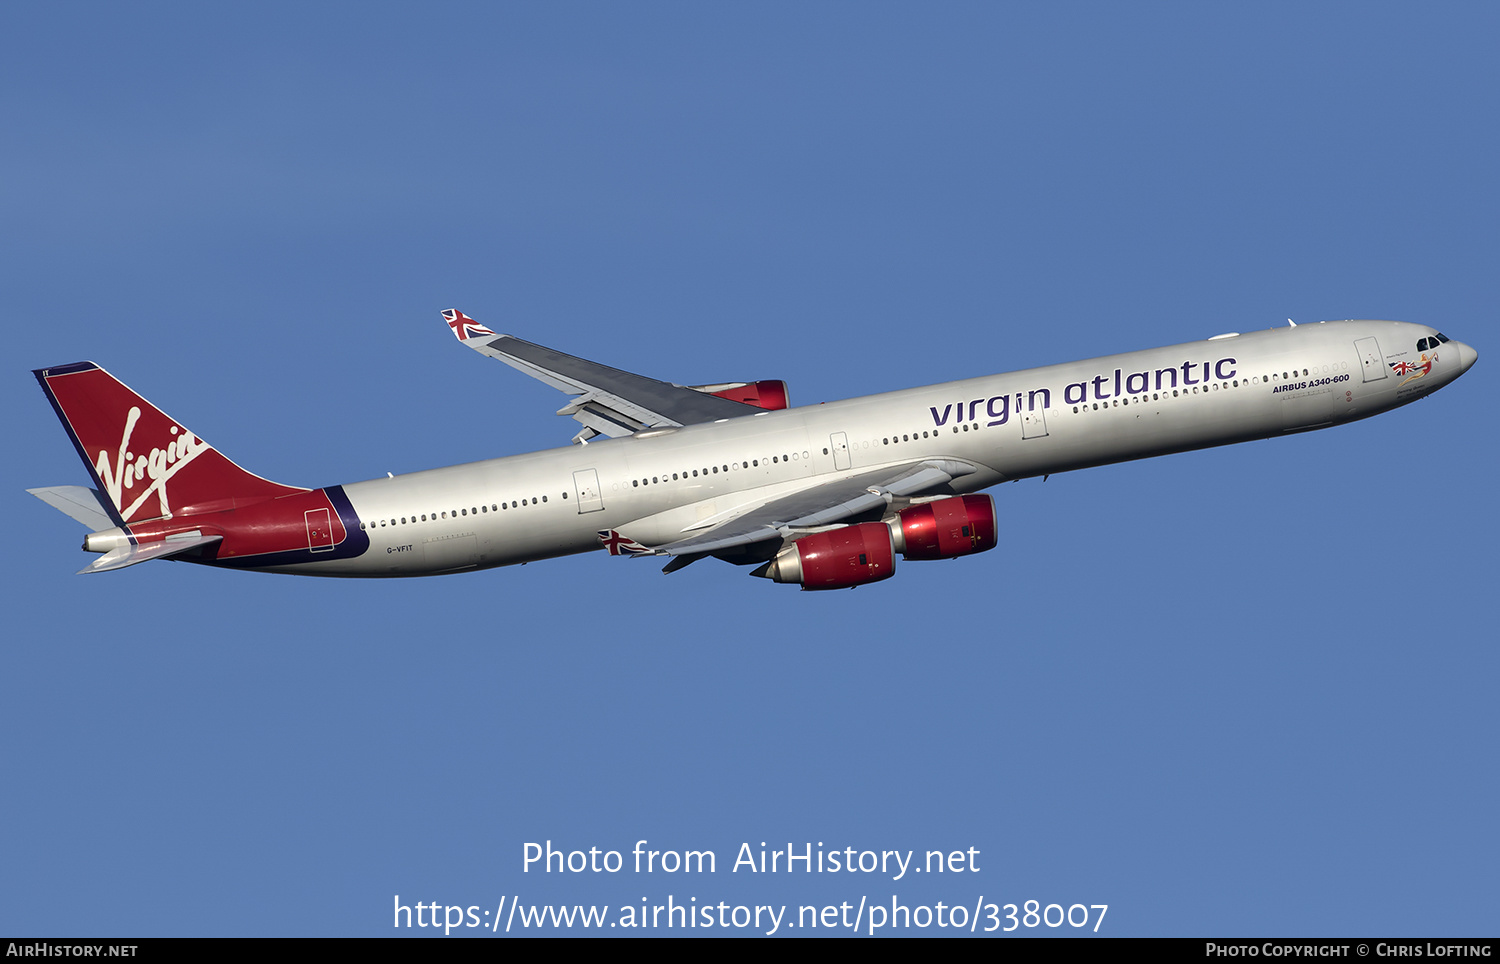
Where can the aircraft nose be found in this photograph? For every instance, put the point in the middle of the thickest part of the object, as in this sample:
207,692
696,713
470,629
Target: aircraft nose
1466,357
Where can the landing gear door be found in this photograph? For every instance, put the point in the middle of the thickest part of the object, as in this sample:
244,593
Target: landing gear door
586,488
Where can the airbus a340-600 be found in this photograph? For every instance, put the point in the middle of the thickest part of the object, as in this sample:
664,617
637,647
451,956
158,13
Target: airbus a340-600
825,496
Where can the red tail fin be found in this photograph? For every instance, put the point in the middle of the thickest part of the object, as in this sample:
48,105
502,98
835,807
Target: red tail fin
147,465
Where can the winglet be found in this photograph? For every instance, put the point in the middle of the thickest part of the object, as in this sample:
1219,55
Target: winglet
463,326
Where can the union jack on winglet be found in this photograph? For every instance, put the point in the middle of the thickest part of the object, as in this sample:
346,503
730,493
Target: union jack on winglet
463,326
618,545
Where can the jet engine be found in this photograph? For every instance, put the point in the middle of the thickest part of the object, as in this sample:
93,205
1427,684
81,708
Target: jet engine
836,559
945,529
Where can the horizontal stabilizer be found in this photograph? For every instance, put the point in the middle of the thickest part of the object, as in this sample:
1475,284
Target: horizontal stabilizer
130,555
77,502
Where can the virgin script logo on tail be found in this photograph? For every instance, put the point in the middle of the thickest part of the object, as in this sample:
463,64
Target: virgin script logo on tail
158,465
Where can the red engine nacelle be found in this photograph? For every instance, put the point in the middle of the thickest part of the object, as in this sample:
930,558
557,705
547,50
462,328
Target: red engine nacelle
837,559
946,528
769,395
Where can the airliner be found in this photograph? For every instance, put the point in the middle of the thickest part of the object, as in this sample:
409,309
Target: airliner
823,496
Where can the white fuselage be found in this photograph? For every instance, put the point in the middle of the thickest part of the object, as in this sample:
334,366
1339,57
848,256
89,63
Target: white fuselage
663,485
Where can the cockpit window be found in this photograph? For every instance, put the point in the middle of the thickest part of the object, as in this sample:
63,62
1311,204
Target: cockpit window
1442,338
1422,345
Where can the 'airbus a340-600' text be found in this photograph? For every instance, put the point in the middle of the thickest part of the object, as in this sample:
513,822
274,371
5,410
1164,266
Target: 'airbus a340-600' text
826,496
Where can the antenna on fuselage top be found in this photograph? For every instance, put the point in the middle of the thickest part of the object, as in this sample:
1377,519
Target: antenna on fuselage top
1291,322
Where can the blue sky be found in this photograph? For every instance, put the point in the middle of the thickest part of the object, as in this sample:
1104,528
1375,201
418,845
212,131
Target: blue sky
1242,691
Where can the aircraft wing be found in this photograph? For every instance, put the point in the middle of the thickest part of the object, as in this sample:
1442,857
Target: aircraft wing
611,402
823,504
